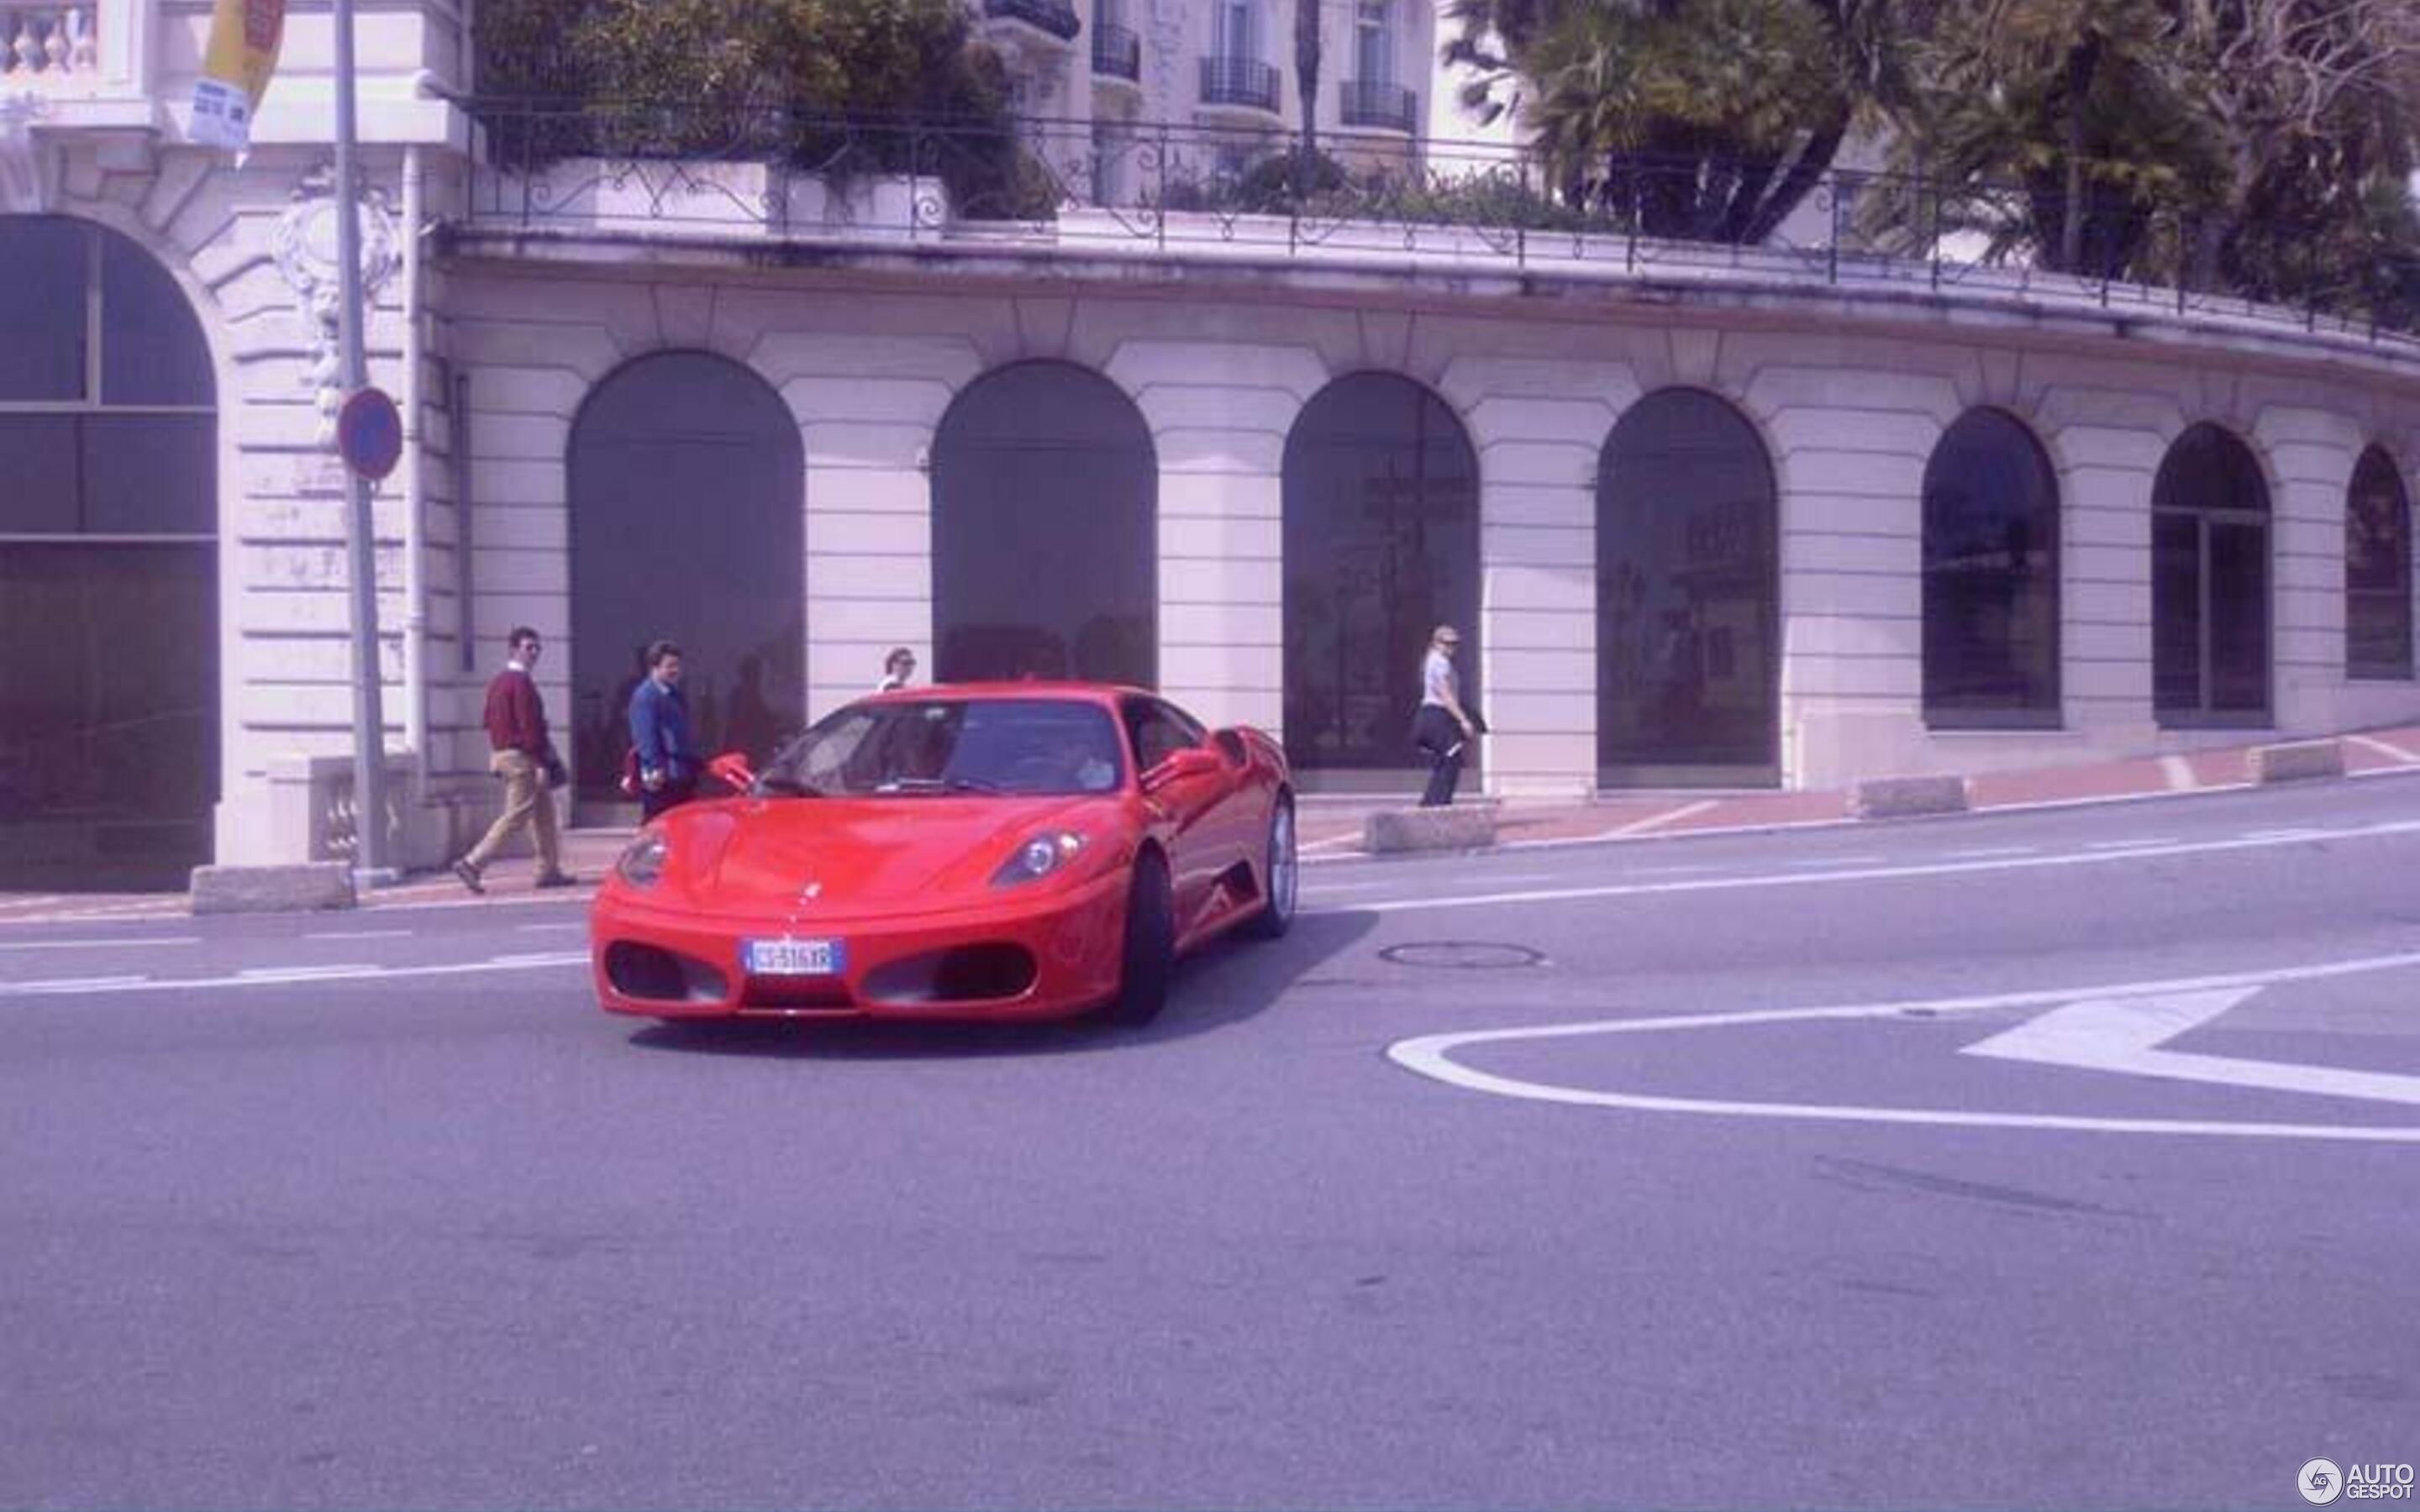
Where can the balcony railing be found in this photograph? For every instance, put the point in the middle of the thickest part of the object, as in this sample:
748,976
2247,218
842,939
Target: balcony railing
1239,81
1389,106
1055,17
763,174
1117,52
44,47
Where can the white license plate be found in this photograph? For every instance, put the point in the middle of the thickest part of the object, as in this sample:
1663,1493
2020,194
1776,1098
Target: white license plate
794,958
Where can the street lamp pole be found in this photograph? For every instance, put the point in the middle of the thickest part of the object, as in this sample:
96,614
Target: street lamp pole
361,522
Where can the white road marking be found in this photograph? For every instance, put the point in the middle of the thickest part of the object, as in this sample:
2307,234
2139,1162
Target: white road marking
305,973
146,942
2291,835
2179,774
361,934
71,984
1838,860
2135,843
2386,747
1935,868
1432,1055
1657,821
2124,1034
1991,851
546,958
127,984
536,929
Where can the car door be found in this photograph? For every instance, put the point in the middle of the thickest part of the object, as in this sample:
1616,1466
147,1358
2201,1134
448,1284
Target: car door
1197,803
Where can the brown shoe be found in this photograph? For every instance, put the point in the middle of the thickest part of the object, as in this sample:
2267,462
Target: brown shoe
467,876
557,879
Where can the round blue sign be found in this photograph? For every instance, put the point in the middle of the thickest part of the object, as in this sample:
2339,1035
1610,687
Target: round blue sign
369,433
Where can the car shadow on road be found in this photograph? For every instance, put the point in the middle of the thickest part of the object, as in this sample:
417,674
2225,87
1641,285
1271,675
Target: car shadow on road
1224,985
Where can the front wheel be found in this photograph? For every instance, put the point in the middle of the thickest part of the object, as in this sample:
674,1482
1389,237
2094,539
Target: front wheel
1149,958
1280,877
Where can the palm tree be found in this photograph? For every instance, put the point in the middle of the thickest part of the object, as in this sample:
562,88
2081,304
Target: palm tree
1700,118
1306,82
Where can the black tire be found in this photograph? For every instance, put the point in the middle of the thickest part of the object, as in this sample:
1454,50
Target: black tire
1149,959
1280,877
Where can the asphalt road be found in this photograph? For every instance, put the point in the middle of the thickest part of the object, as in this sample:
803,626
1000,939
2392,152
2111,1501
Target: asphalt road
375,1210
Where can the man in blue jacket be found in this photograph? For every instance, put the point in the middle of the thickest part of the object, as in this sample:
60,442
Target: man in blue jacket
668,763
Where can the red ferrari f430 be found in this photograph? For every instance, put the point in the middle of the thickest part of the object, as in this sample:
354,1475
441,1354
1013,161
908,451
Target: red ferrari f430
1023,850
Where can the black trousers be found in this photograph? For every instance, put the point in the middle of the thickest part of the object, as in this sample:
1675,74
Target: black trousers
671,795
1435,731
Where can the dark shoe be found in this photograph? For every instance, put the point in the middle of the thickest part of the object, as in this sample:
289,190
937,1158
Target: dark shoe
559,879
469,876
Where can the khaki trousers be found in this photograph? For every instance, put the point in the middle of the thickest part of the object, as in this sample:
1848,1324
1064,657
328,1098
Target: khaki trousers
526,801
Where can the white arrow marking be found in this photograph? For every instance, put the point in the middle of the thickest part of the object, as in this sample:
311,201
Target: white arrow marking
2124,1034
1432,1056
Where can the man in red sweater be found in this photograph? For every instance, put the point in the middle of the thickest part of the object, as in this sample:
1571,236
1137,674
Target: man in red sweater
524,757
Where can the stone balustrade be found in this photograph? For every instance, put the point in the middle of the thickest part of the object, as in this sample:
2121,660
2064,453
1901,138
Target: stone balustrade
46,47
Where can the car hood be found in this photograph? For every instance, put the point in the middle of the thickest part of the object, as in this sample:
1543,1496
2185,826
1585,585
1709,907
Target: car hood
858,854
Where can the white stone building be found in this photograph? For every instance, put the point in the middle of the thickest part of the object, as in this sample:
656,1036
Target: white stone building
1707,515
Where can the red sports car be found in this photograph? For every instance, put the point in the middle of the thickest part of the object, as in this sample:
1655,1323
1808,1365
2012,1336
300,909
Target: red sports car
1020,850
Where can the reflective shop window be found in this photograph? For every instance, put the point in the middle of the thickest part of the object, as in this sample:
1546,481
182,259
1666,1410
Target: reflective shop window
109,750
2377,570
1381,544
1687,569
1046,550
1990,577
2210,582
687,524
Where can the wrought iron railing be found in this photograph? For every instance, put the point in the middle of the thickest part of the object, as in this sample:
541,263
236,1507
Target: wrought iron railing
1055,17
1239,81
1116,51
664,170
1369,102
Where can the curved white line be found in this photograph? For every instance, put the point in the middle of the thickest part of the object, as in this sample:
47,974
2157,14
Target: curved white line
1432,1055
284,977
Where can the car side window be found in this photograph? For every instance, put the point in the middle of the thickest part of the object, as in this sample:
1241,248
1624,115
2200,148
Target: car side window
1156,730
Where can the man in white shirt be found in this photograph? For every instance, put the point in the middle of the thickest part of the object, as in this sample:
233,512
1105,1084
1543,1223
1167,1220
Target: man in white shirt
898,669
1442,729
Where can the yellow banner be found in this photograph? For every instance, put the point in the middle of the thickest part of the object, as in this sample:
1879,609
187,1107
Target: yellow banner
244,37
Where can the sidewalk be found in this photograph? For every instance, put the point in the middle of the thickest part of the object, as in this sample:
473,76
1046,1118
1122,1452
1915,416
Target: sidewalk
1331,829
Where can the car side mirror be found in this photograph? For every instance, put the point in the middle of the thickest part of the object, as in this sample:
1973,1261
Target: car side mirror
732,767
1178,765
1230,745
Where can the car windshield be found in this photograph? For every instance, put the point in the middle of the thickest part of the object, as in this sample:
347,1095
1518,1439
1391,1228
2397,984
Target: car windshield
953,746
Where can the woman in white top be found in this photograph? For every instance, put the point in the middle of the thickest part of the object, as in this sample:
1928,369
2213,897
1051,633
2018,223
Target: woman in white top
1441,728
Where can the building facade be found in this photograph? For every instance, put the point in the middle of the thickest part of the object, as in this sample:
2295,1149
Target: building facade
1708,517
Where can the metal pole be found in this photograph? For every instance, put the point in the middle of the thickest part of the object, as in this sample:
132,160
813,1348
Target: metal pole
360,544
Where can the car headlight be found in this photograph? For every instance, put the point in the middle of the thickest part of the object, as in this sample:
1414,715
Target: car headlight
642,864
1041,857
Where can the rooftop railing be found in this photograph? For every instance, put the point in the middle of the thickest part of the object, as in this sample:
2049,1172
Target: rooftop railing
670,171
45,47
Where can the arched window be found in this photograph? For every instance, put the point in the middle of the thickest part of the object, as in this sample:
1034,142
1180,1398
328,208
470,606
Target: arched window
2377,570
687,499
109,712
1689,584
1046,549
1381,546
1990,577
2210,582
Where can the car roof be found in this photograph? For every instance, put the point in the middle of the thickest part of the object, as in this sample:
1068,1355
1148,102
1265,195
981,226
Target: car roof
1058,692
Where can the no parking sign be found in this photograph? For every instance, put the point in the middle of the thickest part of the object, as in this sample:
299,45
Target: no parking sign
369,434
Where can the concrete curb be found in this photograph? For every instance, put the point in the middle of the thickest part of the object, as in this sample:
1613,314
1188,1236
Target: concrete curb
311,888
1393,832
1906,797
2300,760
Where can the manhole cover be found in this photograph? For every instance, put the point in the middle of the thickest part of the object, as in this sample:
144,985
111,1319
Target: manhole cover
1464,955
